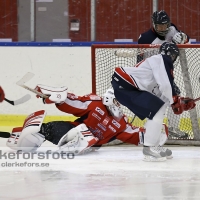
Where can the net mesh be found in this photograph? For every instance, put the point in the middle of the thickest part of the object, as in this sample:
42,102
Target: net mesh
187,78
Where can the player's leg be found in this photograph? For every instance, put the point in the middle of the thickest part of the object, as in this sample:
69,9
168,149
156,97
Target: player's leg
162,140
78,140
153,132
54,131
145,105
28,138
68,137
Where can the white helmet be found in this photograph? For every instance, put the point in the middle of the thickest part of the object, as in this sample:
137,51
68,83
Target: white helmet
112,104
108,97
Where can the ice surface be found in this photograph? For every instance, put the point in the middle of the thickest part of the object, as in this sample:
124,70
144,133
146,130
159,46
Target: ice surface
110,173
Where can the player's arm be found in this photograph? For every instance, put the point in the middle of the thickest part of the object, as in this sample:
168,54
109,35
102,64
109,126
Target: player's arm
76,105
162,69
179,36
65,101
169,69
132,135
179,104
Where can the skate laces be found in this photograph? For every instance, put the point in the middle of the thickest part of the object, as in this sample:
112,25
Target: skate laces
162,148
156,149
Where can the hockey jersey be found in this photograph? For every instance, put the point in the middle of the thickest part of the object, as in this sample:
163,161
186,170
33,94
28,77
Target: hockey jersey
155,75
95,115
151,37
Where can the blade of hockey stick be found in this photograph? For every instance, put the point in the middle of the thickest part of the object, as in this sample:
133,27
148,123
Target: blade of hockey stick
4,134
19,101
26,78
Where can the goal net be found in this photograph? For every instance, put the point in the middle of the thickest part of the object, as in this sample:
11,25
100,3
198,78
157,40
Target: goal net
184,128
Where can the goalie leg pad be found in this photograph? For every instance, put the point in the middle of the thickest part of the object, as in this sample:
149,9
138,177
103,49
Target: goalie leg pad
82,140
31,142
14,137
28,138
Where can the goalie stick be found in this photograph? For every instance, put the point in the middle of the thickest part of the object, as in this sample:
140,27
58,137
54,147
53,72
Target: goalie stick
26,78
18,101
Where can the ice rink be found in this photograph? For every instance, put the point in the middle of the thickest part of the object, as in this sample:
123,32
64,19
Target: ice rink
110,173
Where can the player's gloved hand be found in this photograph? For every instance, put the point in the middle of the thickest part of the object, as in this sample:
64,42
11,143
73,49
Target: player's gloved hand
45,100
54,94
182,104
2,94
179,38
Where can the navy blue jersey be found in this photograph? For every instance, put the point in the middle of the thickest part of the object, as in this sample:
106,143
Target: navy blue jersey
151,37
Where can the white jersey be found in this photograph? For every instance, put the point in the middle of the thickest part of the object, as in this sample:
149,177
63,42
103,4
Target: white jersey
150,75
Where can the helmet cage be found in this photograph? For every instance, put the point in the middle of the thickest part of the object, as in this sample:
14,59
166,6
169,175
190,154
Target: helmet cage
112,104
161,18
108,97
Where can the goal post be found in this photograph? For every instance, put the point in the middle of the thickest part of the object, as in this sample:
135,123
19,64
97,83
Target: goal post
184,129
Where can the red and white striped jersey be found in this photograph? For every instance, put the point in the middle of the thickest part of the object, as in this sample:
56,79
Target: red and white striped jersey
95,115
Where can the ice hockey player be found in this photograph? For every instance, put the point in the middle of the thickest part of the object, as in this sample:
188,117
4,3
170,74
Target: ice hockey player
2,94
162,31
147,89
100,121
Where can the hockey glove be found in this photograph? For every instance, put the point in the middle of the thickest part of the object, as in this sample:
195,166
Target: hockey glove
2,95
182,104
55,94
179,38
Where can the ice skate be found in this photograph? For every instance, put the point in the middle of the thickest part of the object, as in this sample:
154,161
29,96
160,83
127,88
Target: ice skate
153,154
167,151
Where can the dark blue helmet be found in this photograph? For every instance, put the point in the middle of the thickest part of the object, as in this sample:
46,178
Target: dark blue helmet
169,49
161,18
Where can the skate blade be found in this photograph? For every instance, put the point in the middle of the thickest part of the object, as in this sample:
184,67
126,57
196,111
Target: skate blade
169,157
153,159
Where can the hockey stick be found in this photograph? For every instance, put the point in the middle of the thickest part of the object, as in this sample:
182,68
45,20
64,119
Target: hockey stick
197,99
26,78
4,134
133,119
18,101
